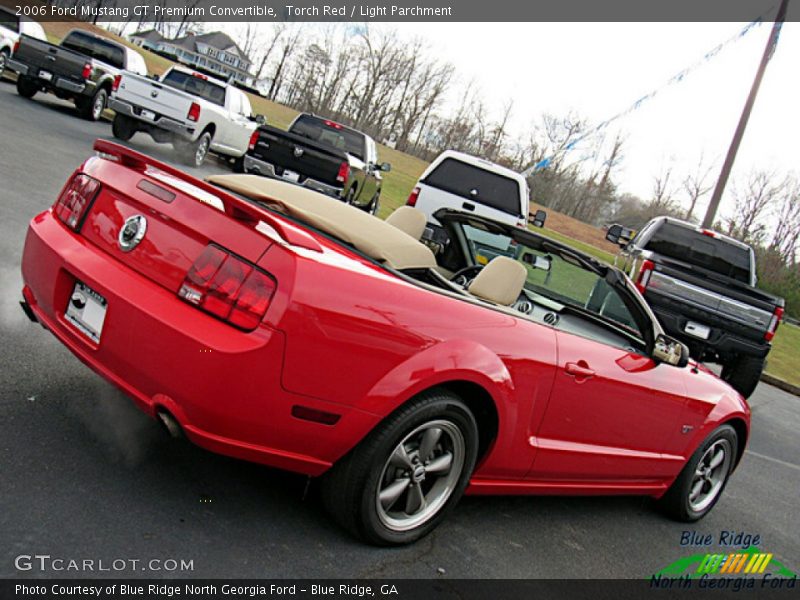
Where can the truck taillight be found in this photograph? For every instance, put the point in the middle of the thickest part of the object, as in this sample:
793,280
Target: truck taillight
773,324
16,46
116,82
253,140
412,197
75,199
344,172
229,288
194,112
87,71
644,275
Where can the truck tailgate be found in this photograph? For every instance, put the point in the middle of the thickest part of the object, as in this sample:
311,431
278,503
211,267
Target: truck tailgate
301,155
154,96
41,55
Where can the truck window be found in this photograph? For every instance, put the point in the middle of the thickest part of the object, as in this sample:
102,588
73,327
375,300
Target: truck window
491,189
197,86
9,20
136,63
695,248
93,47
329,133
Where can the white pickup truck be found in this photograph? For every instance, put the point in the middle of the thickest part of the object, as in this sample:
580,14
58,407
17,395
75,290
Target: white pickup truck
194,112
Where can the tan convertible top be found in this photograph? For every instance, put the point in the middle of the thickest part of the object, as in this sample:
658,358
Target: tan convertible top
372,236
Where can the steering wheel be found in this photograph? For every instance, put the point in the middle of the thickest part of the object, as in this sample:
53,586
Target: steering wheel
463,277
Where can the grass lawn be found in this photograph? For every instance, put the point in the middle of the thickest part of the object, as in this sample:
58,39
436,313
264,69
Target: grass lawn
784,358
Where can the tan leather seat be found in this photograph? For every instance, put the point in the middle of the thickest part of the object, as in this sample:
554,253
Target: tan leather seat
410,220
500,282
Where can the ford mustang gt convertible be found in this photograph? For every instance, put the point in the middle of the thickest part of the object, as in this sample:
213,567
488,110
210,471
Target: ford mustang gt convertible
267,323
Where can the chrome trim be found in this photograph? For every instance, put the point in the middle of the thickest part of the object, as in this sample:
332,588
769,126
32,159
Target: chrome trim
125,108
17,67
66,84
716,303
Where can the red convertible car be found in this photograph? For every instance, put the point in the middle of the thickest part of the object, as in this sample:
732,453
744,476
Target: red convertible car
268,323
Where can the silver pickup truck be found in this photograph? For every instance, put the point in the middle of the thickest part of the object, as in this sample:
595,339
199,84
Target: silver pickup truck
194,112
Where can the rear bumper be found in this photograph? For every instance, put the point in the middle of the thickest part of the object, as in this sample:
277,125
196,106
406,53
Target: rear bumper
221,384
129,110
261,167
57,83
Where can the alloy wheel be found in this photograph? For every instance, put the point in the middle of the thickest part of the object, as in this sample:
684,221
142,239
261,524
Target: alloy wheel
710,475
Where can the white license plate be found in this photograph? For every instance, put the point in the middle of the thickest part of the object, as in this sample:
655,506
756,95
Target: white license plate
46,75
148,114
697,330
86,310
291,176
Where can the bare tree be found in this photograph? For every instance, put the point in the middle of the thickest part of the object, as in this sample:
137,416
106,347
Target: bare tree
785,239
697,184
753,200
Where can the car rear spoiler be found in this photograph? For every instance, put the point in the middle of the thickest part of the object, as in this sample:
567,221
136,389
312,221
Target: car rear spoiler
233,206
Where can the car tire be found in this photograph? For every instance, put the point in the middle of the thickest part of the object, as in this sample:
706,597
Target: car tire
194,153
123,127
743,374
374,204
351,195
700,484
238,165
26,87
3,60
92,108
400,482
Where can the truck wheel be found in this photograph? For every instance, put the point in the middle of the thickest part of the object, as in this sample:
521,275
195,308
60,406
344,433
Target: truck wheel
401,481
372,207
123,127
701,482
26,87
743,373
238,165
194,153
3,60
351,195
92,108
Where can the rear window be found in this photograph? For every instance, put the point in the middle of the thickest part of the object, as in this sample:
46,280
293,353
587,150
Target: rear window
95,48
9,20
690,246
331,134
196,86
476,184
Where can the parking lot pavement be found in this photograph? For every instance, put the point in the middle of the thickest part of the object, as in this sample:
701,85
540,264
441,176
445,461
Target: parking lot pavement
86,476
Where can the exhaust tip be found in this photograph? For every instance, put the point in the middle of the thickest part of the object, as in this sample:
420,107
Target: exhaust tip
171,425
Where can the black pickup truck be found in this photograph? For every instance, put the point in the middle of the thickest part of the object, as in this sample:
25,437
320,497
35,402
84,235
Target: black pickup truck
701,286
322,155
82,68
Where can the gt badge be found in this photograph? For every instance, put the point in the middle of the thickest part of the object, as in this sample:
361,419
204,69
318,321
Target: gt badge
298,152
132,233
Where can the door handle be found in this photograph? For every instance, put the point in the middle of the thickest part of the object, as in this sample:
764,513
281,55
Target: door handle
579,370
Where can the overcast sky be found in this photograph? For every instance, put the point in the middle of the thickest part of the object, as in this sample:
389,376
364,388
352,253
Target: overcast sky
600,69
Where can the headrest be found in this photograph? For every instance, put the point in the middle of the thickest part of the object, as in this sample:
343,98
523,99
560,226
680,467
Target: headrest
408,219
501,281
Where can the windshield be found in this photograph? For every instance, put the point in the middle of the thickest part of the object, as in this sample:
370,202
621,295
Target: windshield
553,274
330,134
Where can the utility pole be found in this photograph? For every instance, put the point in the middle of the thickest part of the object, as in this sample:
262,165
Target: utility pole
713,205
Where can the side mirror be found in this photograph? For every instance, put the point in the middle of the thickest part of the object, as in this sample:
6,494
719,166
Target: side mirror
385,167
260,119
539,218
537,261
617,234
671,351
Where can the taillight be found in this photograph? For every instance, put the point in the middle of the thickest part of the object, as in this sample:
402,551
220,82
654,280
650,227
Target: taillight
87,71
115,83
228,288
75,199
344,172
644,275
16,46
194,112
773,324
412,197
253,140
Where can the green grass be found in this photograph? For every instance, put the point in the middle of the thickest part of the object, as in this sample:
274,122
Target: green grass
784,358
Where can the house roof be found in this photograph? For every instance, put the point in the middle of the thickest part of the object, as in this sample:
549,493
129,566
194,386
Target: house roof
150,35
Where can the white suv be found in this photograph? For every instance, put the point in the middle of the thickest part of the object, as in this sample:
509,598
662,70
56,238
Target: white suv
462,182
11,27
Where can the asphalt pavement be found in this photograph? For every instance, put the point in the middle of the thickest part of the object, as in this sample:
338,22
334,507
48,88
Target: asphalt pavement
84,475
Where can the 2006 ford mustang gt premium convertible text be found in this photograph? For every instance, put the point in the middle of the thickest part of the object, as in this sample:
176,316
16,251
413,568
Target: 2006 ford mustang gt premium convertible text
271,324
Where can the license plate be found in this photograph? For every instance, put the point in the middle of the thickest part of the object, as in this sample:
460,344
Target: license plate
291,176
148,114
46,75
86,310
697,330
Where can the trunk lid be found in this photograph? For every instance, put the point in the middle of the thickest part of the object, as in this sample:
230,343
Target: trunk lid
154,96
41,55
